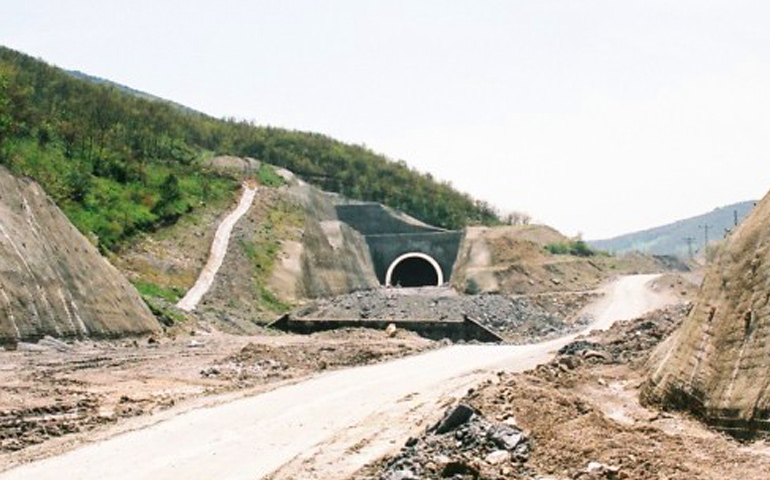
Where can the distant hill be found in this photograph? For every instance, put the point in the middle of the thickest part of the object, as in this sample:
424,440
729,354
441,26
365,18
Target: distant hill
671,239
131,91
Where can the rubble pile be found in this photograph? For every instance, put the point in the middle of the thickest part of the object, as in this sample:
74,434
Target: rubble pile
557,418
464,444
520,319
627,342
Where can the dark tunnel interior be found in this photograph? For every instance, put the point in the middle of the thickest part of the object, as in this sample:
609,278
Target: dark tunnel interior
414,272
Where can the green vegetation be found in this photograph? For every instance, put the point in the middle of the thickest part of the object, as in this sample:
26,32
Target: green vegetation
263,250
147,289
164,313
578,248
159,301
119,163
268,177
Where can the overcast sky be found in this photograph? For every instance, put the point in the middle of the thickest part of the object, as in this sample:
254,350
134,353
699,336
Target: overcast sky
599,117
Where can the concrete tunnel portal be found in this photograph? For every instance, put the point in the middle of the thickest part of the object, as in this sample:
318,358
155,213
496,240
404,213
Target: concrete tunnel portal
414,269
404,251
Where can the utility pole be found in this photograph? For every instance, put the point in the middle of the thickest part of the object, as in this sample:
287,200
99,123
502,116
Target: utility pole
705,241
705,234
735,218
690,241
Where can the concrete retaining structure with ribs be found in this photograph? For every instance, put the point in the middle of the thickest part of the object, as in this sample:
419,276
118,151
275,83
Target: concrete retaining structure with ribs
717,365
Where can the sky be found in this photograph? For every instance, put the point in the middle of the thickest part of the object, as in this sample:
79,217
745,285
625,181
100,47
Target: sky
598,117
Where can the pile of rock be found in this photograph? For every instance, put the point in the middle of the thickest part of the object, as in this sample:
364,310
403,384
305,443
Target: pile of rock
518,318
464,444
629,341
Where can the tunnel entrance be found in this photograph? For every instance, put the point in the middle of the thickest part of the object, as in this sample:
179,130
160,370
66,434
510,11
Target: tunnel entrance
414,270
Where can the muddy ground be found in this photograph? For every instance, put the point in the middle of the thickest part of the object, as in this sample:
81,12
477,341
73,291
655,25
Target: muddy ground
52,391
577,417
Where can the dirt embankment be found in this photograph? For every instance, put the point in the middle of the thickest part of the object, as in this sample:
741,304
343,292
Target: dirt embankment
717,365
54,395
515,260
52,280
577,417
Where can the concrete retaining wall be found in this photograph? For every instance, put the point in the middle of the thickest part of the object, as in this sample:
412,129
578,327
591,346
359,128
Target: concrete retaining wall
466,330
376,219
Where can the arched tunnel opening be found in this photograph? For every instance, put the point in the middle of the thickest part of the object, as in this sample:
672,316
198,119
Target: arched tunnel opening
414,270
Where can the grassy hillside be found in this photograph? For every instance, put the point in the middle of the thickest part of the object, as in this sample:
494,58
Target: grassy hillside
119,163
671,239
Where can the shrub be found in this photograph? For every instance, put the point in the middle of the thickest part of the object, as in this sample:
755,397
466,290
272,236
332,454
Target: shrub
268,177
578,248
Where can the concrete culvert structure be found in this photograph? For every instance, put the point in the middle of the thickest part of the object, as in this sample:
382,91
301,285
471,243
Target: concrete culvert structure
414,270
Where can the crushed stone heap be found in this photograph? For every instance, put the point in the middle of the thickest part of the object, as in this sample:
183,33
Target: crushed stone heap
717,365
52,280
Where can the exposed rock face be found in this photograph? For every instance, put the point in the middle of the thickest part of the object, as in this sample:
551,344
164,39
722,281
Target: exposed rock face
52,280
717,365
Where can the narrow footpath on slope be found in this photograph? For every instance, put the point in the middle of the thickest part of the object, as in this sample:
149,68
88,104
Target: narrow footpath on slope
326,427
218,251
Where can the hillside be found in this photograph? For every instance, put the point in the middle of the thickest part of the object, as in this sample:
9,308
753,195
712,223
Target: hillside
671,239
289,246
52,280
118,163
716,365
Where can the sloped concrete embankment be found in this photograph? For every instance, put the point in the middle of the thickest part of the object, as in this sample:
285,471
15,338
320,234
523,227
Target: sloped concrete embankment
327,257
717,364
52,280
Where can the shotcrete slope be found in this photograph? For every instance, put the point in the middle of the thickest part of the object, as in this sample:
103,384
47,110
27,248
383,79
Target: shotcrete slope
328,257
52,280
717,365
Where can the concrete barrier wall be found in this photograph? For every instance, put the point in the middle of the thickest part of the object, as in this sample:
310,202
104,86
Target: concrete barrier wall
464,330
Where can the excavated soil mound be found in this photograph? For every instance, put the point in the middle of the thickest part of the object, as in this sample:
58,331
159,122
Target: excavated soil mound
717,366
574,418
52,280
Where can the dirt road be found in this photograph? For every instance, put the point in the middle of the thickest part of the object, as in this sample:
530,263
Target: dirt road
326,427
218,251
